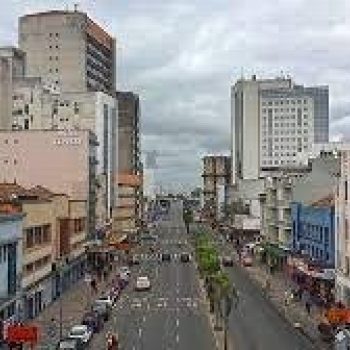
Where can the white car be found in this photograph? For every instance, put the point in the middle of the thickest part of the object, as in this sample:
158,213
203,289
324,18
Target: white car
124,270
142,283
81,332
108,300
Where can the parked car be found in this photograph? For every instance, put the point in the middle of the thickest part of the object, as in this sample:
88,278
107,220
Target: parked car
94,321
185,257
166,257
134,260
124,270
102,309
108,300
142,283
227,261
70,344
247,260
81,332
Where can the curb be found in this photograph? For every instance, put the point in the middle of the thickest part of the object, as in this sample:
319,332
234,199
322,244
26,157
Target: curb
315,342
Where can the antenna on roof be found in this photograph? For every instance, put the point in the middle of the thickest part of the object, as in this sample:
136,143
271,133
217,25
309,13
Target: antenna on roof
76,5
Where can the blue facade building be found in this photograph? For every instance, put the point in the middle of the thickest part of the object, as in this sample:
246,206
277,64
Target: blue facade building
313,231
10,265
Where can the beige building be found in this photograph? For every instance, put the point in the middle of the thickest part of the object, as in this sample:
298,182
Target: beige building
54,229
130,184
305,185
342,229
216,180
126,214
12,66
69,51
62,161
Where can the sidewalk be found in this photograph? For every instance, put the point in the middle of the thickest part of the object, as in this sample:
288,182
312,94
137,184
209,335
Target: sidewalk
295,311
75,302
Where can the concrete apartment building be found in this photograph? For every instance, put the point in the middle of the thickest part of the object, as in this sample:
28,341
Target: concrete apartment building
305,186
62,161
216,181
69,51
128,213
12,66
274,124
342,213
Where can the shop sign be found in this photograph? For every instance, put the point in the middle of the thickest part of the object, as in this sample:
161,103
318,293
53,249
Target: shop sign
22,334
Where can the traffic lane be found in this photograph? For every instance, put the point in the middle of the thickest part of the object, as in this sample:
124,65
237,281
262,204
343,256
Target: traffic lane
194,331
158,331
256,324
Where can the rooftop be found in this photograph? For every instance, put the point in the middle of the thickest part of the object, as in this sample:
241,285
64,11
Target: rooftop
12,191
327,201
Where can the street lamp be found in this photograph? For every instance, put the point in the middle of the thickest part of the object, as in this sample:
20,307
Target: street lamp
62,266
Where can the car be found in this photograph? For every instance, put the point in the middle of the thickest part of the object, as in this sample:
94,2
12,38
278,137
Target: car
185,257
134,260
142,283
247,260
124,270
102,309
227,261
93,320
81,332
107,299
166,257
70,344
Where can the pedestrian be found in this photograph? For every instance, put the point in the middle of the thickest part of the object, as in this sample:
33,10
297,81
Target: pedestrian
267,285
286,298
308,307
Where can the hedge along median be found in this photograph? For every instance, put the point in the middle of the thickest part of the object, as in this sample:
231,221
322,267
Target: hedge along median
217,282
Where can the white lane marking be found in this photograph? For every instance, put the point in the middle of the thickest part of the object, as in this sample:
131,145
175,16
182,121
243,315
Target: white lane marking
177,338
140,332
133,347
144,319
177,322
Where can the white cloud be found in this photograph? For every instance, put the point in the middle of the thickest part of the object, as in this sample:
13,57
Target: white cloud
181,56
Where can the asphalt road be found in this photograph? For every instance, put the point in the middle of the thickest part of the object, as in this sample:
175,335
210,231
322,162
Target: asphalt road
256,324
171,315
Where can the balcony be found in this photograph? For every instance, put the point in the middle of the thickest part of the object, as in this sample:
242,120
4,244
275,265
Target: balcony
36,275
78,237
32,254
283,203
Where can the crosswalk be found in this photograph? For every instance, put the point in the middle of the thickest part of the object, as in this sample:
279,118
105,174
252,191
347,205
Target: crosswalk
174,241
157,256
153,303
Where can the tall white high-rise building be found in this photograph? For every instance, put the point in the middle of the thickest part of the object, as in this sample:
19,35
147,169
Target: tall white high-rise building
275,124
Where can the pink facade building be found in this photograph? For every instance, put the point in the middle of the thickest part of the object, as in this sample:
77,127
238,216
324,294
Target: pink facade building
61,161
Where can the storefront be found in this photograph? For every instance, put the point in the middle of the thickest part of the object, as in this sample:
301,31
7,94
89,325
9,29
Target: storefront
274,256
318,282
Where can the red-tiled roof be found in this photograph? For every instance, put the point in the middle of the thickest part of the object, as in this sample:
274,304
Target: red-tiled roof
10,191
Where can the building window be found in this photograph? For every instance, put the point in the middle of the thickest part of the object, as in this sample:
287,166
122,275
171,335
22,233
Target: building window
50,58
29,237
346,189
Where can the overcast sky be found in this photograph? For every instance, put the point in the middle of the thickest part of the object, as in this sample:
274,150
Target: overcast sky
182,55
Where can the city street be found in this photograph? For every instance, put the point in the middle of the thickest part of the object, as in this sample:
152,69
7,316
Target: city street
171,315
256,324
